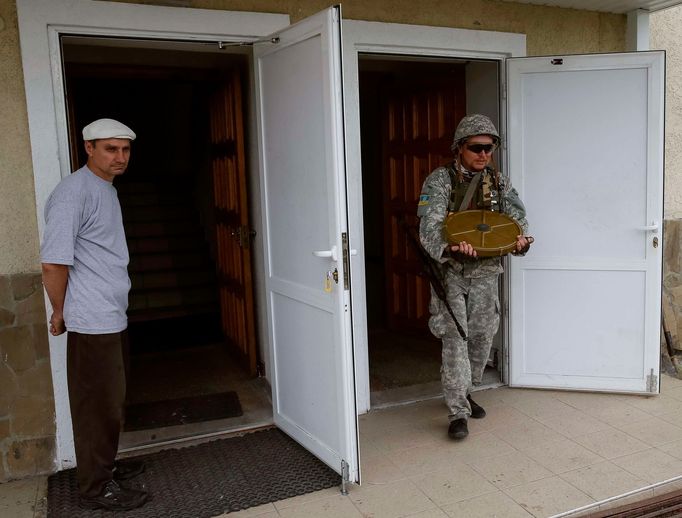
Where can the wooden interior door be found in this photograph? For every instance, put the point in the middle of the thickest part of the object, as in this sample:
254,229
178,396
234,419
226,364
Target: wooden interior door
419,118
233,233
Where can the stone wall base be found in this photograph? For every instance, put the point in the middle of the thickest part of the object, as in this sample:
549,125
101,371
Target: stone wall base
672,290
27,418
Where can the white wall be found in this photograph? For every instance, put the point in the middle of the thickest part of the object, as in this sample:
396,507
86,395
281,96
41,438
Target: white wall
482,84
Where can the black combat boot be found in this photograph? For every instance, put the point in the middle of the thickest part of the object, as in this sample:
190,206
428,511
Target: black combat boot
458,429
115,498
477,411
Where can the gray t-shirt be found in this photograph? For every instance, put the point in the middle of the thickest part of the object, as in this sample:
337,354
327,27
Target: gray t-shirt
84,230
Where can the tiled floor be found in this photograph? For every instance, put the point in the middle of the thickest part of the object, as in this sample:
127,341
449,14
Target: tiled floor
537,453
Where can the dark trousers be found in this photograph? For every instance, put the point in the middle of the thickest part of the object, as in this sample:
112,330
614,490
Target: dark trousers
97,386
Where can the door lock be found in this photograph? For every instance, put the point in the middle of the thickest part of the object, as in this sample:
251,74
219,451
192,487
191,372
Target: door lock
655,243
329,276
242,235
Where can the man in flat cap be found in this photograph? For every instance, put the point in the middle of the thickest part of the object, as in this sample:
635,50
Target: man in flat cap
85,272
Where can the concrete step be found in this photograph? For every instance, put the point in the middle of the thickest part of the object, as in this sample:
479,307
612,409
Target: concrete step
172,279
144,199
164,228
149,213
125,187
173,298
148,315
161,244
180,260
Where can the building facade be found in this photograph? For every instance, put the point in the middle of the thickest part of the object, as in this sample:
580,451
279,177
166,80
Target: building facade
27,413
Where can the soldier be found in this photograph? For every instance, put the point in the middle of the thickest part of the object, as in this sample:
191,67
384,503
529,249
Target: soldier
471,283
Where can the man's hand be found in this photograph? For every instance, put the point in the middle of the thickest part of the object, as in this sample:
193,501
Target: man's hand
57,326
464,248
55,279
523,244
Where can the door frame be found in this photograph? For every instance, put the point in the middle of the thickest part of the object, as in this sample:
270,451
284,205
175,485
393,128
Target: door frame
41,23
405,40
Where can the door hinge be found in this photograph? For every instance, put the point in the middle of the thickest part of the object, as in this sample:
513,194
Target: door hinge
346,261
345,477
652,382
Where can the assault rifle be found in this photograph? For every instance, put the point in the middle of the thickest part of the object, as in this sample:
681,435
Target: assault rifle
432,270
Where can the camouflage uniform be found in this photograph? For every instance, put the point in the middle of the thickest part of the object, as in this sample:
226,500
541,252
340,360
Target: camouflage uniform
471,286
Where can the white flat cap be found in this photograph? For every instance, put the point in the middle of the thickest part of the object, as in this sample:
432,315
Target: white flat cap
107,128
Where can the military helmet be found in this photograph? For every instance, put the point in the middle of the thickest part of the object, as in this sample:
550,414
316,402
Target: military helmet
472,125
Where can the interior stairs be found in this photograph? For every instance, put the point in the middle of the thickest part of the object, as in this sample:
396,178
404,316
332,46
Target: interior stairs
171,269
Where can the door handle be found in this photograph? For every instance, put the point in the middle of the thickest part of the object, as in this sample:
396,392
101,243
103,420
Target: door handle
327,253
650,228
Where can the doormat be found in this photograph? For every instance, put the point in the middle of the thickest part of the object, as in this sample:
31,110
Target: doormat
156,414
209,479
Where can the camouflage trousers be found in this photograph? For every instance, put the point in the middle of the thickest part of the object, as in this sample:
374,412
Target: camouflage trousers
475,303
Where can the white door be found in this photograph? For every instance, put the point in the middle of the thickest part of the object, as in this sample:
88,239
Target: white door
301,133
585,144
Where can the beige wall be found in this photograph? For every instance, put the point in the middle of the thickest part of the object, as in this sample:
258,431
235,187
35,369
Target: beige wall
666,34
18,227
27,422
549,31
26,406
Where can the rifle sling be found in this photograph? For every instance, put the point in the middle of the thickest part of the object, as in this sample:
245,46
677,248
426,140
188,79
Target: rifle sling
468,196
433,270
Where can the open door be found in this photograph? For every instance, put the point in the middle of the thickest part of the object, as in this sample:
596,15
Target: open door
585,145
417,116
303,193
233,233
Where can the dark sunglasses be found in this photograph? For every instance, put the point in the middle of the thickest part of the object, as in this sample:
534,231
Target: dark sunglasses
477,148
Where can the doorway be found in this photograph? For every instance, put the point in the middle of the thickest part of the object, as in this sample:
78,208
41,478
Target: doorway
194,361
409,108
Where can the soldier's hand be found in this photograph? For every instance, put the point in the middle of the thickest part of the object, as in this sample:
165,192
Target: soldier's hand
57,325
523,244
464,248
